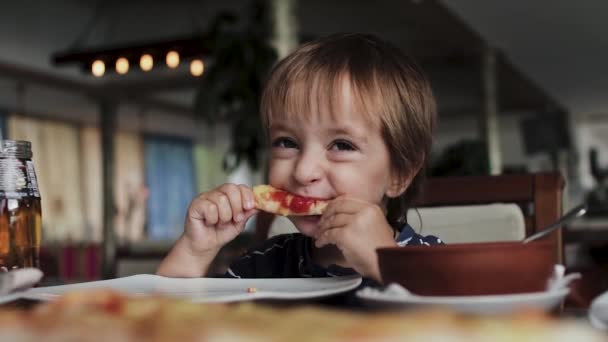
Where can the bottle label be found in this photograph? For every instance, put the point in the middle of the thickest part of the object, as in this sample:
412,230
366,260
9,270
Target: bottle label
18,179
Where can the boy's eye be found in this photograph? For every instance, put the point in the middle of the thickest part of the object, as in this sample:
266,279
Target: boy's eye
343,145
284,142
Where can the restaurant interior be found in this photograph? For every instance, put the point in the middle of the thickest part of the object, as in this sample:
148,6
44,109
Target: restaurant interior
133,108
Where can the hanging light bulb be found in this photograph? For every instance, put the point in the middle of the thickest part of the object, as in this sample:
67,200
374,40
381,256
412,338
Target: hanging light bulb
172,59
146,62
122,65
197,67
98,68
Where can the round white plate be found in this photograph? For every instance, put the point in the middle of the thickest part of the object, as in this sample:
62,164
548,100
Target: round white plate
494,304
10,297
210,289
598,312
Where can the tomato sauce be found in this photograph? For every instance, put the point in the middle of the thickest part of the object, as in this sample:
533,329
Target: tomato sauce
281,197
298,204
301,204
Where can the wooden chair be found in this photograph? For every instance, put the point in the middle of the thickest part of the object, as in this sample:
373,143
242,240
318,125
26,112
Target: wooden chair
539,195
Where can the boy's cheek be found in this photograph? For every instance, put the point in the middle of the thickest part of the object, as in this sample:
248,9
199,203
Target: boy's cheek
278,173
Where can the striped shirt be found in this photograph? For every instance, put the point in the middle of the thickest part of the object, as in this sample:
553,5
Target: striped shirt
288,256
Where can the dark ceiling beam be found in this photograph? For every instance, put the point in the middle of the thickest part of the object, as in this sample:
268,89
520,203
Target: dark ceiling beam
178,81
93,91
187,47
28,75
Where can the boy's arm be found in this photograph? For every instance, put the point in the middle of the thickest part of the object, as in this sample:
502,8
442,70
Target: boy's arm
182,263
214,218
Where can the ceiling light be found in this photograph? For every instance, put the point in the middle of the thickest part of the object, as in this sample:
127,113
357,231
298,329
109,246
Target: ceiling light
146,62
172,59
122,65
143,55
98,68
197,67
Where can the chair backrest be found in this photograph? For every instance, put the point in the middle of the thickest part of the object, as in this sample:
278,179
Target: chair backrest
539,195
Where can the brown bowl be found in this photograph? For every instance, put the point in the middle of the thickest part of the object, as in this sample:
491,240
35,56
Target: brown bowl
469,268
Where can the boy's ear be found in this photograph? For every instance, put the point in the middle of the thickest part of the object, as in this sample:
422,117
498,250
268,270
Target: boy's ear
398,186
399,183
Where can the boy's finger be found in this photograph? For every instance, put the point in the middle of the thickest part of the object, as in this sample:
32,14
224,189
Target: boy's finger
210,213
250,213
329,237
195,210
247,197
223,206
233,193
339,220
343,205
246,215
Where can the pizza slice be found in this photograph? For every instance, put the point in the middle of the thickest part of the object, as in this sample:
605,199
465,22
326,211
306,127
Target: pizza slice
281,202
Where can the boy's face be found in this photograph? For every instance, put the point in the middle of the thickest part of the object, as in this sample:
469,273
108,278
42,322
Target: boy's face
325,155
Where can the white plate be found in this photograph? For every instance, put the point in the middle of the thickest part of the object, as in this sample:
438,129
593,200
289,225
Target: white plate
210,289
495,304
10,297
598,312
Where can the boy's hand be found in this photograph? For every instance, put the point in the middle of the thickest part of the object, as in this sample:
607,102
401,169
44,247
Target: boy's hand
217,216
357,228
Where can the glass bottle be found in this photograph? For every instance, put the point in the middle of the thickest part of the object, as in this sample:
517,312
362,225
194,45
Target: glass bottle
20,209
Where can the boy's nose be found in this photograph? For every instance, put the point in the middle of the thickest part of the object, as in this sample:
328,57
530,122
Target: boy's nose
309,168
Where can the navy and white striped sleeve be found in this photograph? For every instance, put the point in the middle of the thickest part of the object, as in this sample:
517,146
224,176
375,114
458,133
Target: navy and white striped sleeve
269,260
408,237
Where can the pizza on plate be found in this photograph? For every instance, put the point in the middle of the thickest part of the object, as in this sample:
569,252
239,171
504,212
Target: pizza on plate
281,202
103,315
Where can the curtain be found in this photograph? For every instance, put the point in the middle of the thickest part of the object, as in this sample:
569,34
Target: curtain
171,184
130,191
56,152
90,162
69,167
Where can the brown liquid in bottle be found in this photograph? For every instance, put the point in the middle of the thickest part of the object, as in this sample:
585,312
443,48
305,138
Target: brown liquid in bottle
20,212
20,232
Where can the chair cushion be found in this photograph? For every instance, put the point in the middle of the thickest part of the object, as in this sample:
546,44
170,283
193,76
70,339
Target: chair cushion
470,223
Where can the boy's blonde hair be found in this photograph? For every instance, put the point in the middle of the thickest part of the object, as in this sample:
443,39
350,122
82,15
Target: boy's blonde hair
388,87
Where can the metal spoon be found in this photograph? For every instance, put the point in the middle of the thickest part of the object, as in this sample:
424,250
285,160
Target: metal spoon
575,213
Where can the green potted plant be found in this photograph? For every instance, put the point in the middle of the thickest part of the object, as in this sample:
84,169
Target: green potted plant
231,87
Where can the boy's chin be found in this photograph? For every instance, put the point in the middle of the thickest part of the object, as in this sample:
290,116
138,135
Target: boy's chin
307,225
